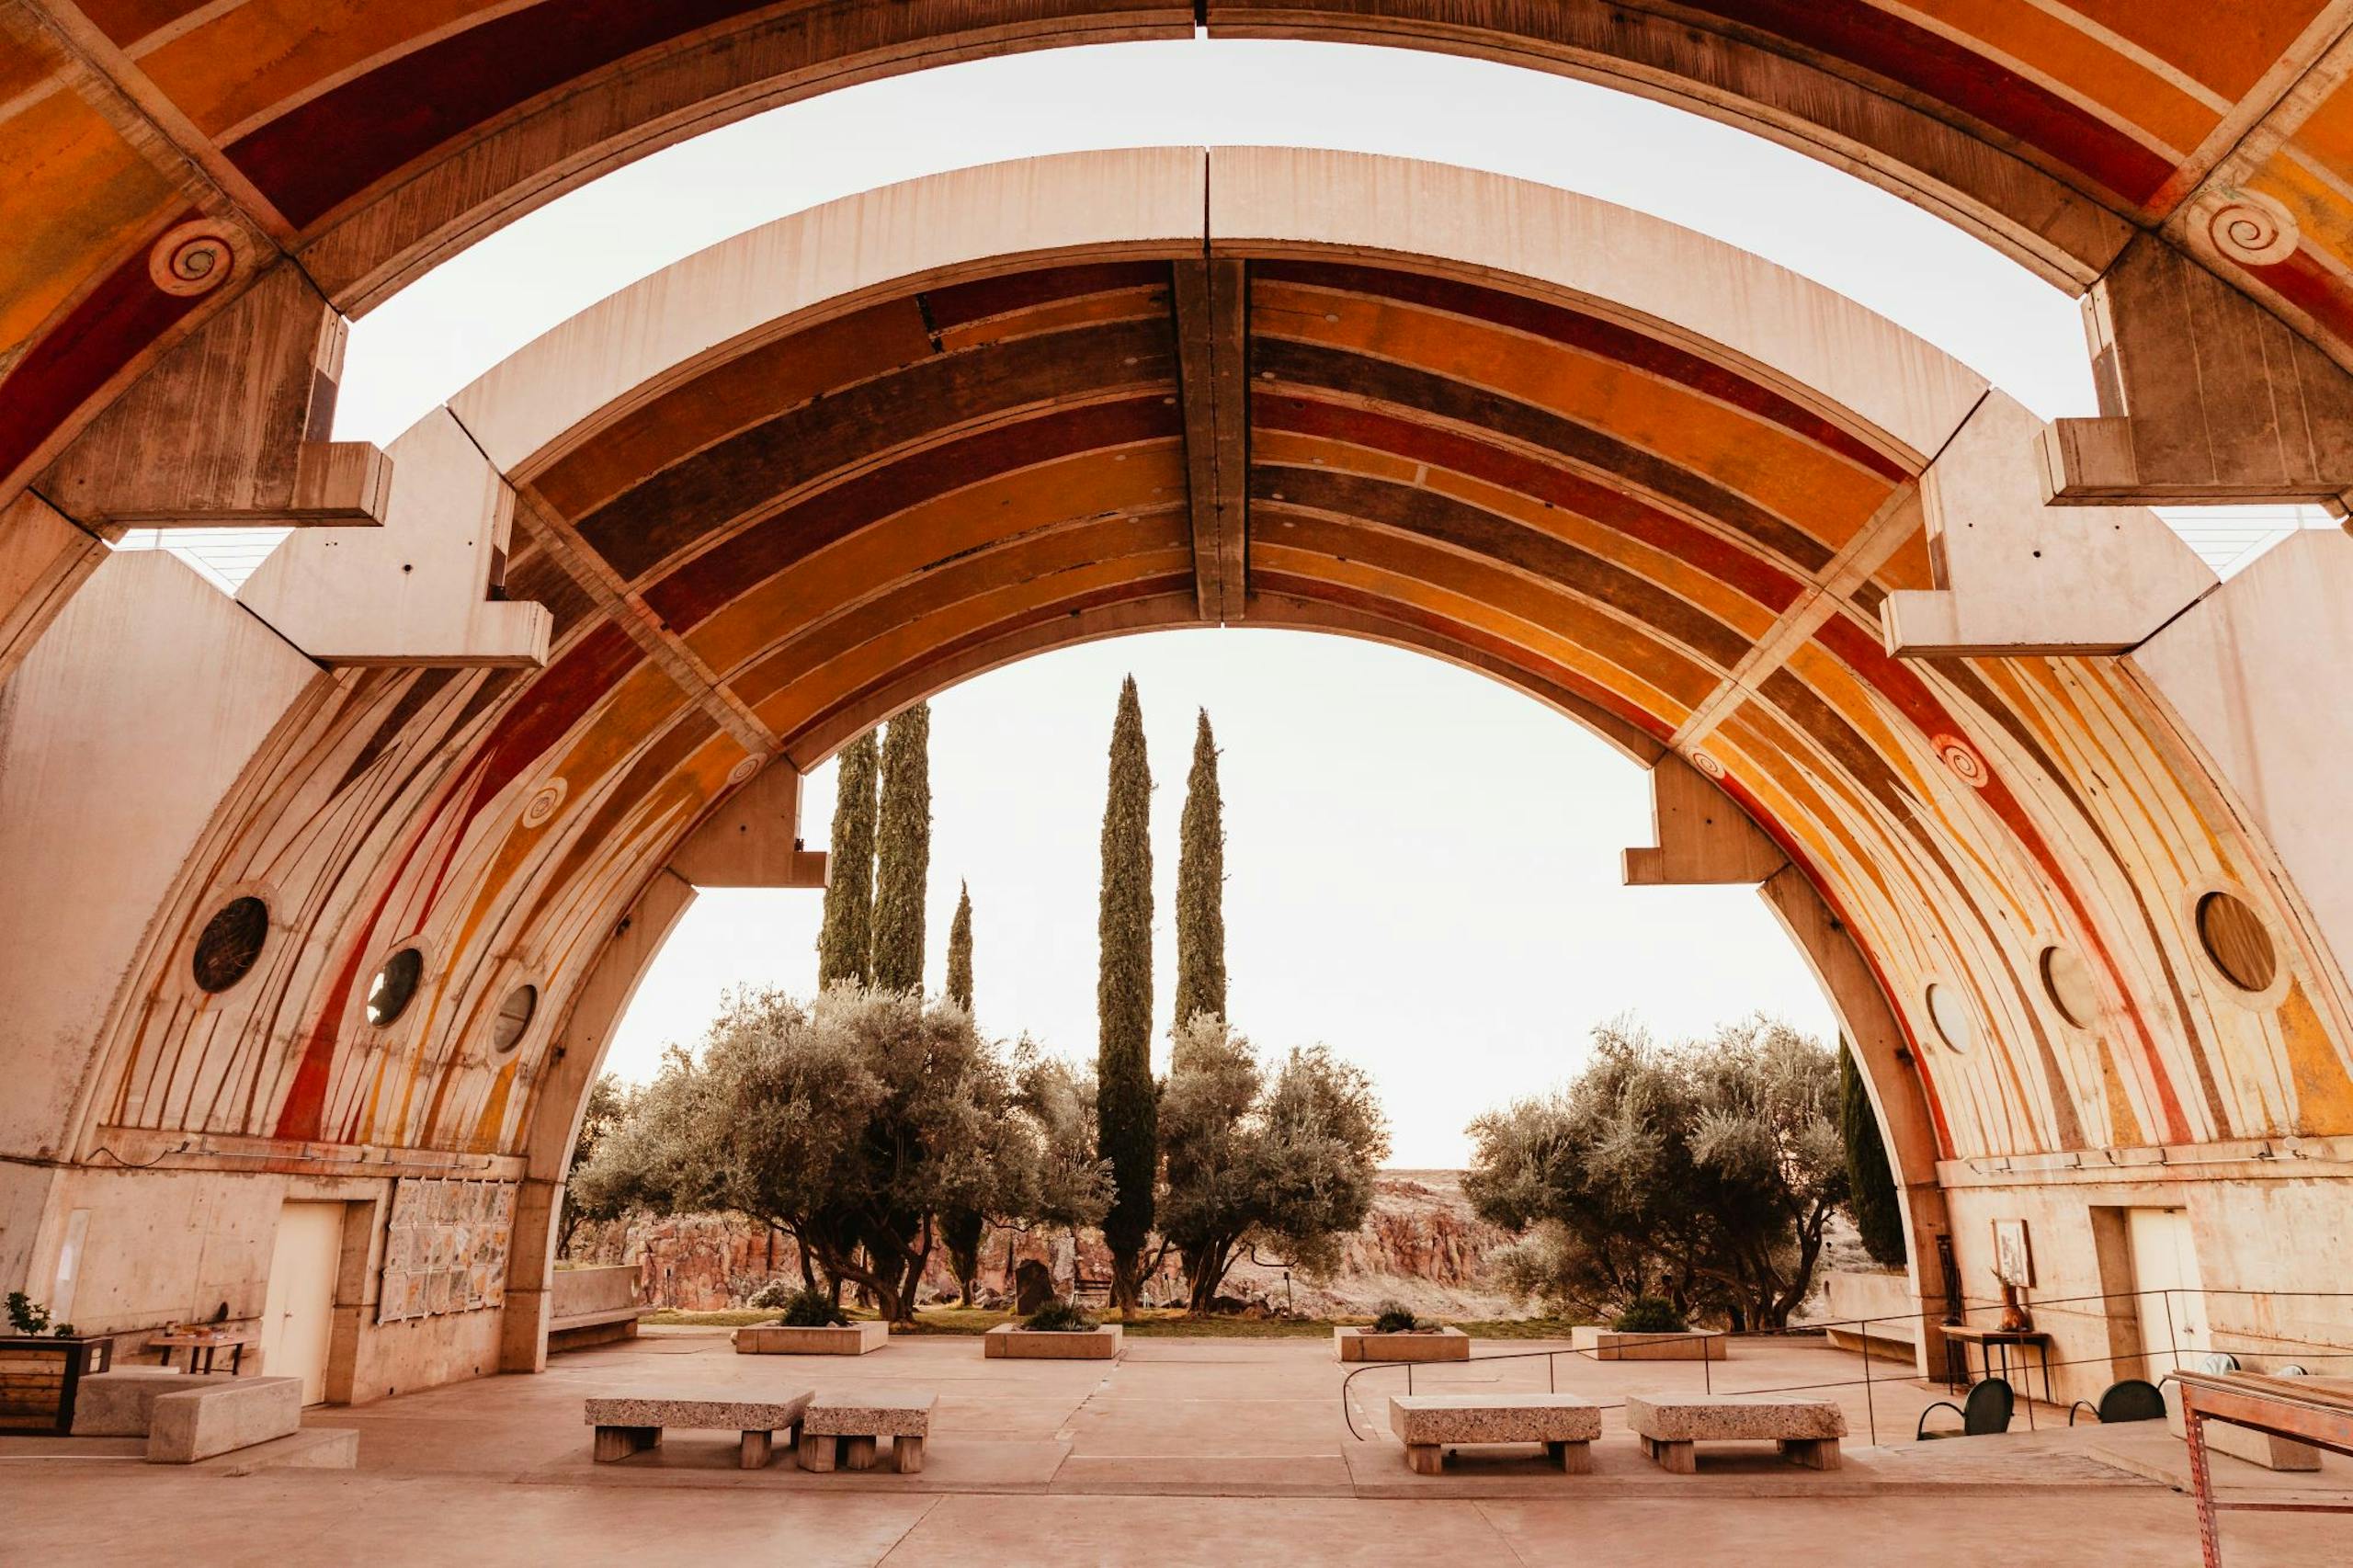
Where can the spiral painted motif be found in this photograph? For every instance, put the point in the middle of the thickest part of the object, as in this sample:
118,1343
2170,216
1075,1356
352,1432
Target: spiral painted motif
542,805
744,770
1962,758
194,258
2252,229
1707,765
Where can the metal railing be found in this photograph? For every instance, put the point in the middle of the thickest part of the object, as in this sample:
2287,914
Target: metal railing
2302,1350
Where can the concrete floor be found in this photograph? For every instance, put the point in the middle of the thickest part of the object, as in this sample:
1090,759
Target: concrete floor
1187,1452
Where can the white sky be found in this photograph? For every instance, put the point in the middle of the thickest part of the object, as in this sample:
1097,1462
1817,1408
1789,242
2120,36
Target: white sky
1423,865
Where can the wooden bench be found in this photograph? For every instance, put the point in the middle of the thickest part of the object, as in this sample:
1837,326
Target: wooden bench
625,1427
1430,1423
1807,1430
847,1432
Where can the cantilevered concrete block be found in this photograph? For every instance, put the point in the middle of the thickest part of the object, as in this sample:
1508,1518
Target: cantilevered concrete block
1703,836
419,590
752,839
2204,395
2015,575
230,427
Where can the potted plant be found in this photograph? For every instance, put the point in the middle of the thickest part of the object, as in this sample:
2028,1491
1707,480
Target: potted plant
1650,1329
812,1324
1398,1333
1058,1331
41,1365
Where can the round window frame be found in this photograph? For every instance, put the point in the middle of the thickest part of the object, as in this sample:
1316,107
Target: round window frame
2193,914
2053,993
232,899
1930,995
413,945
523,986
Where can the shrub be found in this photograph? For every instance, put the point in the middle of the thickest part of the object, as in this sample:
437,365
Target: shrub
1650,1315
1396,1317
774,1293
812,1309
1060,1317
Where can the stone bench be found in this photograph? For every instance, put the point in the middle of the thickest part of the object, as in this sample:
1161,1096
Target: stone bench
196,1423
1806,1429
122,1405
625,1427
847,1432
1430,1423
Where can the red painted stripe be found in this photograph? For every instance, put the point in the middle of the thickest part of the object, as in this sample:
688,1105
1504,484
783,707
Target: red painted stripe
1446,629
691,594
959,305
1950,73
1589,334
1903,687
70,363
2307,284
320,152
1695,546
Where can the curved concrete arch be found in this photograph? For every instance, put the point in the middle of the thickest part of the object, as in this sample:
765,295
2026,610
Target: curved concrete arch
792,484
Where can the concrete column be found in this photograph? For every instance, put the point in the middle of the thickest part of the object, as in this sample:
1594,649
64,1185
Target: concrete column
577,1056
1885,1057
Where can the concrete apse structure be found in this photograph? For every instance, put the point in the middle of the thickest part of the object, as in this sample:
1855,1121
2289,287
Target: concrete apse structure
332,893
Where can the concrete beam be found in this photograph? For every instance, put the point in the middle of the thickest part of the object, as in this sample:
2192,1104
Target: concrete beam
420,590
753,840
1704,838
1212,308
2016,575
2205,396
1884,1054
43,558
574,1062
230,427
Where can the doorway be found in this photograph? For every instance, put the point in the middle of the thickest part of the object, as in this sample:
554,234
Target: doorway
297,1313
2170,1297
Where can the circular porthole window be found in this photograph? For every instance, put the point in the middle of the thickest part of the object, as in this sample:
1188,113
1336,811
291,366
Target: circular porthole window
2236,942
394,986
1952,1018
230,944
513,1017
2069,986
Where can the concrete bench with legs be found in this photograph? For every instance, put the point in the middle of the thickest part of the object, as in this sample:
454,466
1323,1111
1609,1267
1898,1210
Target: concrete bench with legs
846,1432
625,1427
1430,1423
1806,1429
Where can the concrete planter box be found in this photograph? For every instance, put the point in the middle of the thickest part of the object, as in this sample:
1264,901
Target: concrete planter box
1006,1341
1612,1345
1363,1344
776,1339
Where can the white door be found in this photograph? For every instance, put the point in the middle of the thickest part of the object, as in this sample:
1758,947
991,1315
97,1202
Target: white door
297,1313
2173,1318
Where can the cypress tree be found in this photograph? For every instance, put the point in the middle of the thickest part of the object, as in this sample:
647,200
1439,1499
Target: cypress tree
846,940
960,951
1200,887
903,851
1879,1217
1127,1109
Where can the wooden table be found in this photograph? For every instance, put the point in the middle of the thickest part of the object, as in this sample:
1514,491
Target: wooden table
2318,1411
1989,1340
205,1343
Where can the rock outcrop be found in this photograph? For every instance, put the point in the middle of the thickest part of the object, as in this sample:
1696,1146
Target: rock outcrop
1420,1246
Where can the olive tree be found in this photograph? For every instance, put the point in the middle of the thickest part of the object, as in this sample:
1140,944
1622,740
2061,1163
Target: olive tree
1702,1173
1289,1159
852,1124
